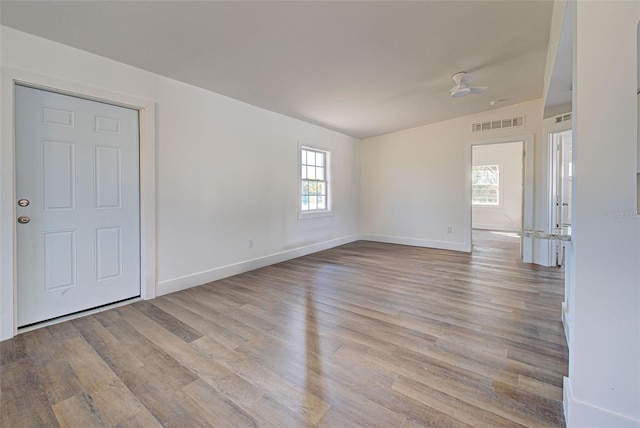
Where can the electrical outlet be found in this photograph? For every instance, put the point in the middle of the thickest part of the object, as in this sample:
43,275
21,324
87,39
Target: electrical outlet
251,242
449,229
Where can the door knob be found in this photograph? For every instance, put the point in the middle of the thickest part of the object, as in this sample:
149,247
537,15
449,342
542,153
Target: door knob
23,202
23,219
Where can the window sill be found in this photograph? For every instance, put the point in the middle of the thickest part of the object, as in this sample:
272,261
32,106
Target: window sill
486,206
313,214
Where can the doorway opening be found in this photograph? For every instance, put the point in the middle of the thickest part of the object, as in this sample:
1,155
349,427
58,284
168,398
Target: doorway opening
561,175
497,195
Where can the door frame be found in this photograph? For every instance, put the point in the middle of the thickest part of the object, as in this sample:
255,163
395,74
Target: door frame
551,128
8,249
556,159
527,192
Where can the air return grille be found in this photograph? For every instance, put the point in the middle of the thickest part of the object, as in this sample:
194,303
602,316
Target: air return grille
563,118
511,122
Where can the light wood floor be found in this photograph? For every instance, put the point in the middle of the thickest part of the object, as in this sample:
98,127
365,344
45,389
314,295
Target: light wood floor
366,335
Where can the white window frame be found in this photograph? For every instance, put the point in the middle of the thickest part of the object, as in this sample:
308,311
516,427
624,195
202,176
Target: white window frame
327,178
498,165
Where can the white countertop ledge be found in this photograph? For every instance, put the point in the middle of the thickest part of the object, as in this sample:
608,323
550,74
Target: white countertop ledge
544,235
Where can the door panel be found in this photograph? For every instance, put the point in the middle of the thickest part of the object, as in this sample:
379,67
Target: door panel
108,179
59,260
58,175
77,162
108,253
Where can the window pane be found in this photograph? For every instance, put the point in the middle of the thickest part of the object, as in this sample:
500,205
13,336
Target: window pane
313,180
485,174
311,172
322,187
485,194
485,184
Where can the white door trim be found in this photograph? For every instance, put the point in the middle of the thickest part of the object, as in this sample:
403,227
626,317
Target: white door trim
527,218
548,131
12,76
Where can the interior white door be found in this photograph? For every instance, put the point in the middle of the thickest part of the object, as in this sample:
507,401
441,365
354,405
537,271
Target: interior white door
567,148
78,231
561,176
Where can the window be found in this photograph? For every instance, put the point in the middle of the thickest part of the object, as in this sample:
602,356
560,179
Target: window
485,182
314,181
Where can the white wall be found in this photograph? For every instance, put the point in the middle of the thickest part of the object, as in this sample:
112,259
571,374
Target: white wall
413,181
237,179
508,214
226,172
603,387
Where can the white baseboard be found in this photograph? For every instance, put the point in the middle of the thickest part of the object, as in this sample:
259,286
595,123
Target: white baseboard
188,281
582,415
182,283
442,245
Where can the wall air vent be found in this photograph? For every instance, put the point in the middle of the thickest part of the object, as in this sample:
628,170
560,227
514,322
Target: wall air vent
511,122
562,118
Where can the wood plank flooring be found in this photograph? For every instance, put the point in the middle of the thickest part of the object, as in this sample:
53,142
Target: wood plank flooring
363,335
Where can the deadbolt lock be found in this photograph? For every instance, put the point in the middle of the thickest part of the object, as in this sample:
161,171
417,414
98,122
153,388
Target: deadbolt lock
23,202
23,219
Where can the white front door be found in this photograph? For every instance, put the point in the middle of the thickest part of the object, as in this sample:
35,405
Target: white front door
77,187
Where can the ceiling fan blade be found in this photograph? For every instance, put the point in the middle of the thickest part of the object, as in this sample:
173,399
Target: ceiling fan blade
457,78
460,91
478,89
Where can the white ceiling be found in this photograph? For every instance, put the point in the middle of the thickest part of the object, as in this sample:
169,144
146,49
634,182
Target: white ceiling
361,68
